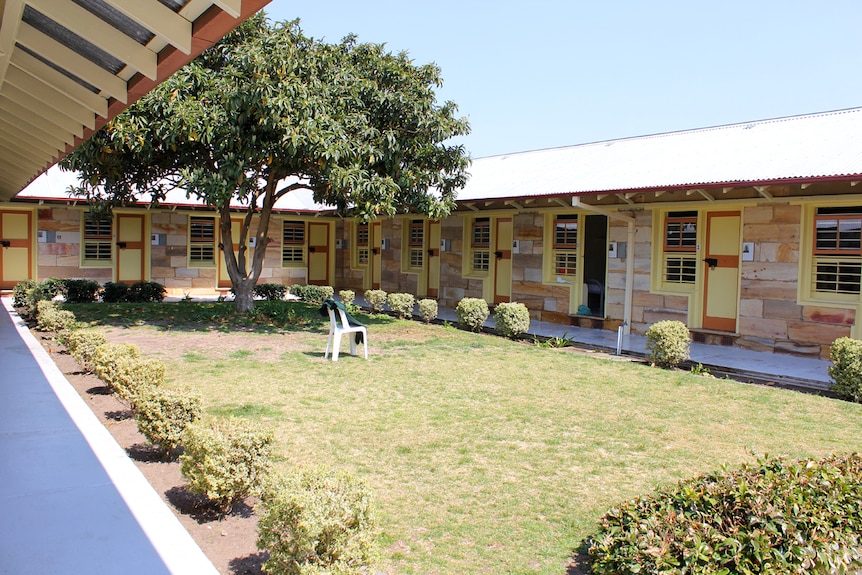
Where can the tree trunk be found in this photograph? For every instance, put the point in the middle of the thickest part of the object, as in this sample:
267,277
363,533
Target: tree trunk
244,296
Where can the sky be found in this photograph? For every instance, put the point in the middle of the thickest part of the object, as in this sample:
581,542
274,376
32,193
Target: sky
549,73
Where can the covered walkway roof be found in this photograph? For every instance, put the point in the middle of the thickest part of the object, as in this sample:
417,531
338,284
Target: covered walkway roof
69,66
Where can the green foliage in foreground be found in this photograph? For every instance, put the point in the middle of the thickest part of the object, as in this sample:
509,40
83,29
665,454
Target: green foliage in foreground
472,313
164,414
668,343
773,517
317,521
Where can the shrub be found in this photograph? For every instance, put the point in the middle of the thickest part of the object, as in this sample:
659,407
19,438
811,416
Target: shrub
143,292
20,291
49,317
225,460
107,356
472,313
312,293
428,309
317,521
43,291
135,375
846,371
114,292
82,344
401,304
668,343
512,319
347,296
774,517
376,298
270,292
81,291
164,414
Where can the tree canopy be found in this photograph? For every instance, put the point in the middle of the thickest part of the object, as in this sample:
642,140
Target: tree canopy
359,126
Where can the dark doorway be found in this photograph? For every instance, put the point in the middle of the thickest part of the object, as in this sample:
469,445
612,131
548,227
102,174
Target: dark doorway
595,263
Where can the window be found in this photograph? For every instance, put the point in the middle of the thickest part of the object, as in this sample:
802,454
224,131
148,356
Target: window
680,247
202,241
480,244
293,243
416,244
837,265
98,233
362,250
566,245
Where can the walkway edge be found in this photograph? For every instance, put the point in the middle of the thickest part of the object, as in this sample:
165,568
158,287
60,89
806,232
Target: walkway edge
170,539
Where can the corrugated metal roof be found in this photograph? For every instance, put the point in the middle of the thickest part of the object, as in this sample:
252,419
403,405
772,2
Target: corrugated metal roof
54,185
815,146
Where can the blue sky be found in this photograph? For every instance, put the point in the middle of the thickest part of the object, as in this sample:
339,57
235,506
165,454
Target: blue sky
543,74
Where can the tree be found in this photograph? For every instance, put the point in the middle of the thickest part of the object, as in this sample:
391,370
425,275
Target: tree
359,126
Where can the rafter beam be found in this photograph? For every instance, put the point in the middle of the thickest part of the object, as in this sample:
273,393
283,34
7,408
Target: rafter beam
514,204
561,202
472,206
625,198
26,90
41,71
161,20
703,193
577,203
660,193
42,115
73,62
762,190
100,33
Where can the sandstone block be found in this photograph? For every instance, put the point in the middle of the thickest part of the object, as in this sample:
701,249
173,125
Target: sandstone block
819,333
783,309
829,315
751,308
763,328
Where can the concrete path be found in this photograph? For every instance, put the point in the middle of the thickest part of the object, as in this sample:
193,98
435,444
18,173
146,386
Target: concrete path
72,501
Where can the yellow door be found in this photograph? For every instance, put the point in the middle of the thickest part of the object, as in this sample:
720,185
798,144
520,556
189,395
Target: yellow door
376,259
130,248
223,276
15,245
432,282
721,264
318,253
503,260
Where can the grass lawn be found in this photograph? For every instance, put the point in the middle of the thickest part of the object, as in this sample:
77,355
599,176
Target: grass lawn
486,455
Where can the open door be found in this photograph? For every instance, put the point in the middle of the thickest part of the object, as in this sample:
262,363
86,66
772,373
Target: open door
503,257
721,264
130,248
16,244
318,253
376,259
433,260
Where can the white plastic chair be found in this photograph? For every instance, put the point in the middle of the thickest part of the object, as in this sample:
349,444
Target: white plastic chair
338,326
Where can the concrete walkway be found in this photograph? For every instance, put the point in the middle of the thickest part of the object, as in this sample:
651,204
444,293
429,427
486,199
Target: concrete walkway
72,501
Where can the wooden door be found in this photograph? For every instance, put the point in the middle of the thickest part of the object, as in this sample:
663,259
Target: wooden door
318,253
721,265
503,237
16,243
223,276
432,266
130,248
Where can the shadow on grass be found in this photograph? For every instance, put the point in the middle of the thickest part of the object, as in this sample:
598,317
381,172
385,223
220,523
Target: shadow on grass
250,564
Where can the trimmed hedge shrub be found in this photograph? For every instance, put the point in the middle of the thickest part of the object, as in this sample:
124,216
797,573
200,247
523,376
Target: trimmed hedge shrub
472,313
668,343
846,371
511,319
135,375
376,298
225,460
49,317
774,517
146,292
347,296
20,291
106,358
164,414
318,521
401,304
312,293
81,291
270,291
42,291
114,292
428,309
82,345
